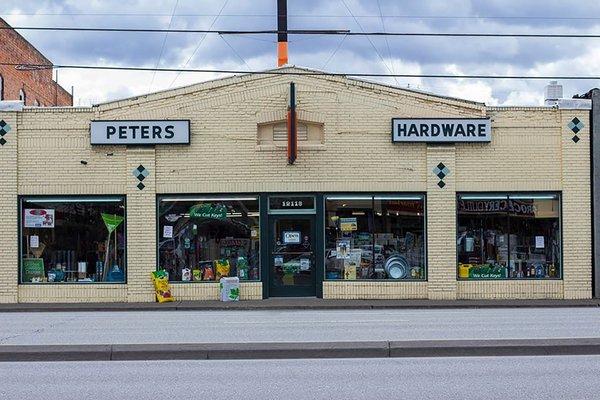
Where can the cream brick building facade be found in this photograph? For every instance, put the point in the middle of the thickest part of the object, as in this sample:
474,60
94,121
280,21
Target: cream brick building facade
531,150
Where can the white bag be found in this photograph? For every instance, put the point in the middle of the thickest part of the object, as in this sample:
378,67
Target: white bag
230,289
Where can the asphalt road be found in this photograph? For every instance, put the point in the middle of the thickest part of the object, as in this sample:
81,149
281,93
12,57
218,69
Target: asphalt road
424,378
296,326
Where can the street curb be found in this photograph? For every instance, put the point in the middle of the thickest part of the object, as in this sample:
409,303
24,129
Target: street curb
301,350
295,304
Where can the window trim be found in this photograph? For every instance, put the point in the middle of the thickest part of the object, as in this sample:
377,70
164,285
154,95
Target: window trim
539,194
73,199
213,197
1,87
378,196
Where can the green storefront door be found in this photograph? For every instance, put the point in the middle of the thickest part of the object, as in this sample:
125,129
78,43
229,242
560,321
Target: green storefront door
292,265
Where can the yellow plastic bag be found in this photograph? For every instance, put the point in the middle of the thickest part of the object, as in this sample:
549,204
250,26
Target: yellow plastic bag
162,287
222,269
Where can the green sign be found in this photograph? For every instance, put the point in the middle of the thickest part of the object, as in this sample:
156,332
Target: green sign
33,268
112,221
207,210
485,272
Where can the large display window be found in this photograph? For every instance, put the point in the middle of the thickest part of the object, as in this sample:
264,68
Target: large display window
205,238
72,239
509,236
375,237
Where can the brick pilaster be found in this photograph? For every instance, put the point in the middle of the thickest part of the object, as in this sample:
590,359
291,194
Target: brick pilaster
141,225
9,211
441,223
576,207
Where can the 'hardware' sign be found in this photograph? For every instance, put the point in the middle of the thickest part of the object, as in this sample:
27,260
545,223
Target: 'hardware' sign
446,130
144,132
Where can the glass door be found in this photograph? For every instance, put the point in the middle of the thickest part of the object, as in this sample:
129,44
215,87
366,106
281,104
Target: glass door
292,258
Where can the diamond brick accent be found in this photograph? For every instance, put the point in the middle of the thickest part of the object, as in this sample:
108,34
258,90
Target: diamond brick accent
4,127
575,138
575,125
140,174
441,171
2,141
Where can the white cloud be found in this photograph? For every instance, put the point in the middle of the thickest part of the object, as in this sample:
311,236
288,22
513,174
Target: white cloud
413,55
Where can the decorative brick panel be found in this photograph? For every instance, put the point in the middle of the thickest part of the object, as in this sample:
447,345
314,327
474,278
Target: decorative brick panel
441,222
576,206
141,226
210,291
374,290
9,211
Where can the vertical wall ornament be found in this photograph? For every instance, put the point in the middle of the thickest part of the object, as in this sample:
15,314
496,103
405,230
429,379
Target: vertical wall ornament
575,125
4,129
441,171
140,173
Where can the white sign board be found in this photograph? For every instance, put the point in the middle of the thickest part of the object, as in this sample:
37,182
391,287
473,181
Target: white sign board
38,218
145,132
168,231
291,237
442,130
34,241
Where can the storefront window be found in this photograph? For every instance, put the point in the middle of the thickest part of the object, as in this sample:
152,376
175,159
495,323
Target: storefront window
204,239
73,240
375,237
509,236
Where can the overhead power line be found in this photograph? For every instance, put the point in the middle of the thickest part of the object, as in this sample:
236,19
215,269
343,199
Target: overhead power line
370,41
310,32
200,42
272,15
162,47
301,73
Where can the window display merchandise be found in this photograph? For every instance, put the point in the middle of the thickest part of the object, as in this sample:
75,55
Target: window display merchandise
375,237
206,239
515,236
72,240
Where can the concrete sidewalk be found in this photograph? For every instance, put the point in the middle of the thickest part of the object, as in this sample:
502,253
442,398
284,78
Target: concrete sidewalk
248,326
299,303
295,350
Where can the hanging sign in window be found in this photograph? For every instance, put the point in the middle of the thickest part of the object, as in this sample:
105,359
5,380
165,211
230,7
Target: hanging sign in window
38,218
448,130
292,237
348,224
143,132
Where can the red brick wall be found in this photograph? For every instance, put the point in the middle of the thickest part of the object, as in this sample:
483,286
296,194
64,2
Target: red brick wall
37,85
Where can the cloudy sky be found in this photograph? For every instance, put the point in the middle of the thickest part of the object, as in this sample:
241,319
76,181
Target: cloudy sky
414,55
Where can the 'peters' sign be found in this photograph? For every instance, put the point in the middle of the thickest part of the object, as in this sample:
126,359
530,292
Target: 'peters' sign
442,130
145,132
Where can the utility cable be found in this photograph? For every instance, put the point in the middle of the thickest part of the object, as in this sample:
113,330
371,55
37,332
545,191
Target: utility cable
23,66
162,48
387,43
199,43
370,41
312,32
334,52
235,52
266,15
